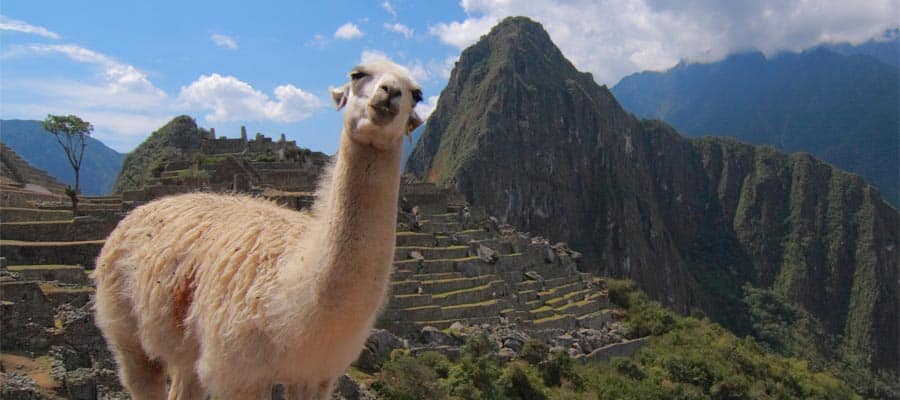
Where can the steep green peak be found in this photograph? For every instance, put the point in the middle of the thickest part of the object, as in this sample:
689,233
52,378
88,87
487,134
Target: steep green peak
516,45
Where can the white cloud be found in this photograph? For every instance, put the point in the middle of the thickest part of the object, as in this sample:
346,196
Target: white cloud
425,108
9,24
123,85
224,41
231,99
404,30
613,40
386,5
422,72
348,31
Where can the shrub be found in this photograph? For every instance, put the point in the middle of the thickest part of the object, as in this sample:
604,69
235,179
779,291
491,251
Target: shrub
520,381
405,377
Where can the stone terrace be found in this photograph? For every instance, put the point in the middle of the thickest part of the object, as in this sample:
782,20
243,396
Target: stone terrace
454,264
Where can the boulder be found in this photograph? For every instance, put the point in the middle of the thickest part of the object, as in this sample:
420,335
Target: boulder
377,350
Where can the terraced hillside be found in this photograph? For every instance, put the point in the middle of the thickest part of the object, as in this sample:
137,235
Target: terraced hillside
453,265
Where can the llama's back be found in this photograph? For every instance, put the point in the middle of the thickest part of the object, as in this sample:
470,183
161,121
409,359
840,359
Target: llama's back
195,262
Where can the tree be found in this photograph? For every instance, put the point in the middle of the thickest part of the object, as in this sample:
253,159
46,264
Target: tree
71,133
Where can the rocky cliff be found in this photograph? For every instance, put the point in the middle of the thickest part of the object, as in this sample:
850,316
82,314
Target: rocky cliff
697,223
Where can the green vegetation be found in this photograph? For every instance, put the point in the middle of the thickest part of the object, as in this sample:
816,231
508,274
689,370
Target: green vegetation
71,133
687,358
149,159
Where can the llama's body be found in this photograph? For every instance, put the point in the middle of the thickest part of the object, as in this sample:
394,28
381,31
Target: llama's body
232,294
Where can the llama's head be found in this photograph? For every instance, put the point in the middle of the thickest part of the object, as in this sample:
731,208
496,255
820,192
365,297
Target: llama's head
380,98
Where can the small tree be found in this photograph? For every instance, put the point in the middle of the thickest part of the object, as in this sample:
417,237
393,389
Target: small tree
71,133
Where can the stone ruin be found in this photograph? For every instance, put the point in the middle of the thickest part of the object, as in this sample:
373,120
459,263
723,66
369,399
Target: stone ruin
260,166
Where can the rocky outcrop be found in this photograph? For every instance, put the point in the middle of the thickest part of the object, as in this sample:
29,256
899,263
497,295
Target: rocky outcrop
522,133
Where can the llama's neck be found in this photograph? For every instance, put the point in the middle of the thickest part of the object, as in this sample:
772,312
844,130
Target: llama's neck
358,218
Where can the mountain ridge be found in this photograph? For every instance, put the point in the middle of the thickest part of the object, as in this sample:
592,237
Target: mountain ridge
697,223
841,108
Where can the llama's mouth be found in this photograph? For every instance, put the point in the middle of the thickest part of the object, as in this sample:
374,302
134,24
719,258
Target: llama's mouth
381,113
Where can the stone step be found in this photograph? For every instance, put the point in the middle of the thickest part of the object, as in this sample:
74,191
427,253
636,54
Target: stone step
541,312
464,237
450,217
445,227
405,287
57,231
403,301
20,214
407,239
58,295
577,295
596,320
423,313
436,276
487,308
66,253
527,295
431,253
580,307
490,290
69,274
444,324
559,291
453,284
559,321
401,274
499,245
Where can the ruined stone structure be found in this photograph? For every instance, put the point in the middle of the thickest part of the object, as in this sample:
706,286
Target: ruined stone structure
221,164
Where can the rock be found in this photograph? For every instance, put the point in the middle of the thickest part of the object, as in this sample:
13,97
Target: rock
377,350
81,384
346,388
533,275
19,387
430,335
457,327
416,255
487,254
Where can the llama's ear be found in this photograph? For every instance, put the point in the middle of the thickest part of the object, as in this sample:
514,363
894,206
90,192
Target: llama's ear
339,95
414,121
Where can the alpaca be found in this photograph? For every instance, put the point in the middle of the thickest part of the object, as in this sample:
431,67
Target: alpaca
229,294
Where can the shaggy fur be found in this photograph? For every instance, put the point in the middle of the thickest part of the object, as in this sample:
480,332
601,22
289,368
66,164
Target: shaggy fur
232,294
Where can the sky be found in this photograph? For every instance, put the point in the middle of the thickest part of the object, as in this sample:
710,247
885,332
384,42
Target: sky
129,67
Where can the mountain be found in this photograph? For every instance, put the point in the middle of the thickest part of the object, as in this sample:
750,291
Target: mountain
169,142
785,247
28,138
842,108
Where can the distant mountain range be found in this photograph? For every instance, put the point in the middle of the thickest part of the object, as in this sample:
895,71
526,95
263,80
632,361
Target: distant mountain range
784,247
840,103
99,169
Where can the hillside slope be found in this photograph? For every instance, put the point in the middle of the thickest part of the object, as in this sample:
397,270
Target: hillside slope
697,223
844,109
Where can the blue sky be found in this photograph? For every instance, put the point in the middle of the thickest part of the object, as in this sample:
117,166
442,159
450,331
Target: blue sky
128,67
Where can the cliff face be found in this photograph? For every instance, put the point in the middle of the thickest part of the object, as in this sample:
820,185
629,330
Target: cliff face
521,132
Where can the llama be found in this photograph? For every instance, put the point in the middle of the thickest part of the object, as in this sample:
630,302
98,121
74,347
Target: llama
229,295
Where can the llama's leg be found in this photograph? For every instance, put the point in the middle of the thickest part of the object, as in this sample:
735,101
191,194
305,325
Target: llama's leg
323,391
185,385
310,391
145,379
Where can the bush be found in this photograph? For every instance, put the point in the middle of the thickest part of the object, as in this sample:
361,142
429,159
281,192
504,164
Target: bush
520,381
534,352
558,369
404,377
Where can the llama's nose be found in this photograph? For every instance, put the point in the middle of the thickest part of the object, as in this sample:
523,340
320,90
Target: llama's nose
391,91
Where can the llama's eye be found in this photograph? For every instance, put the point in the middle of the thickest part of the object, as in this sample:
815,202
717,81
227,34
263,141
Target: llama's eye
356,74
417,95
